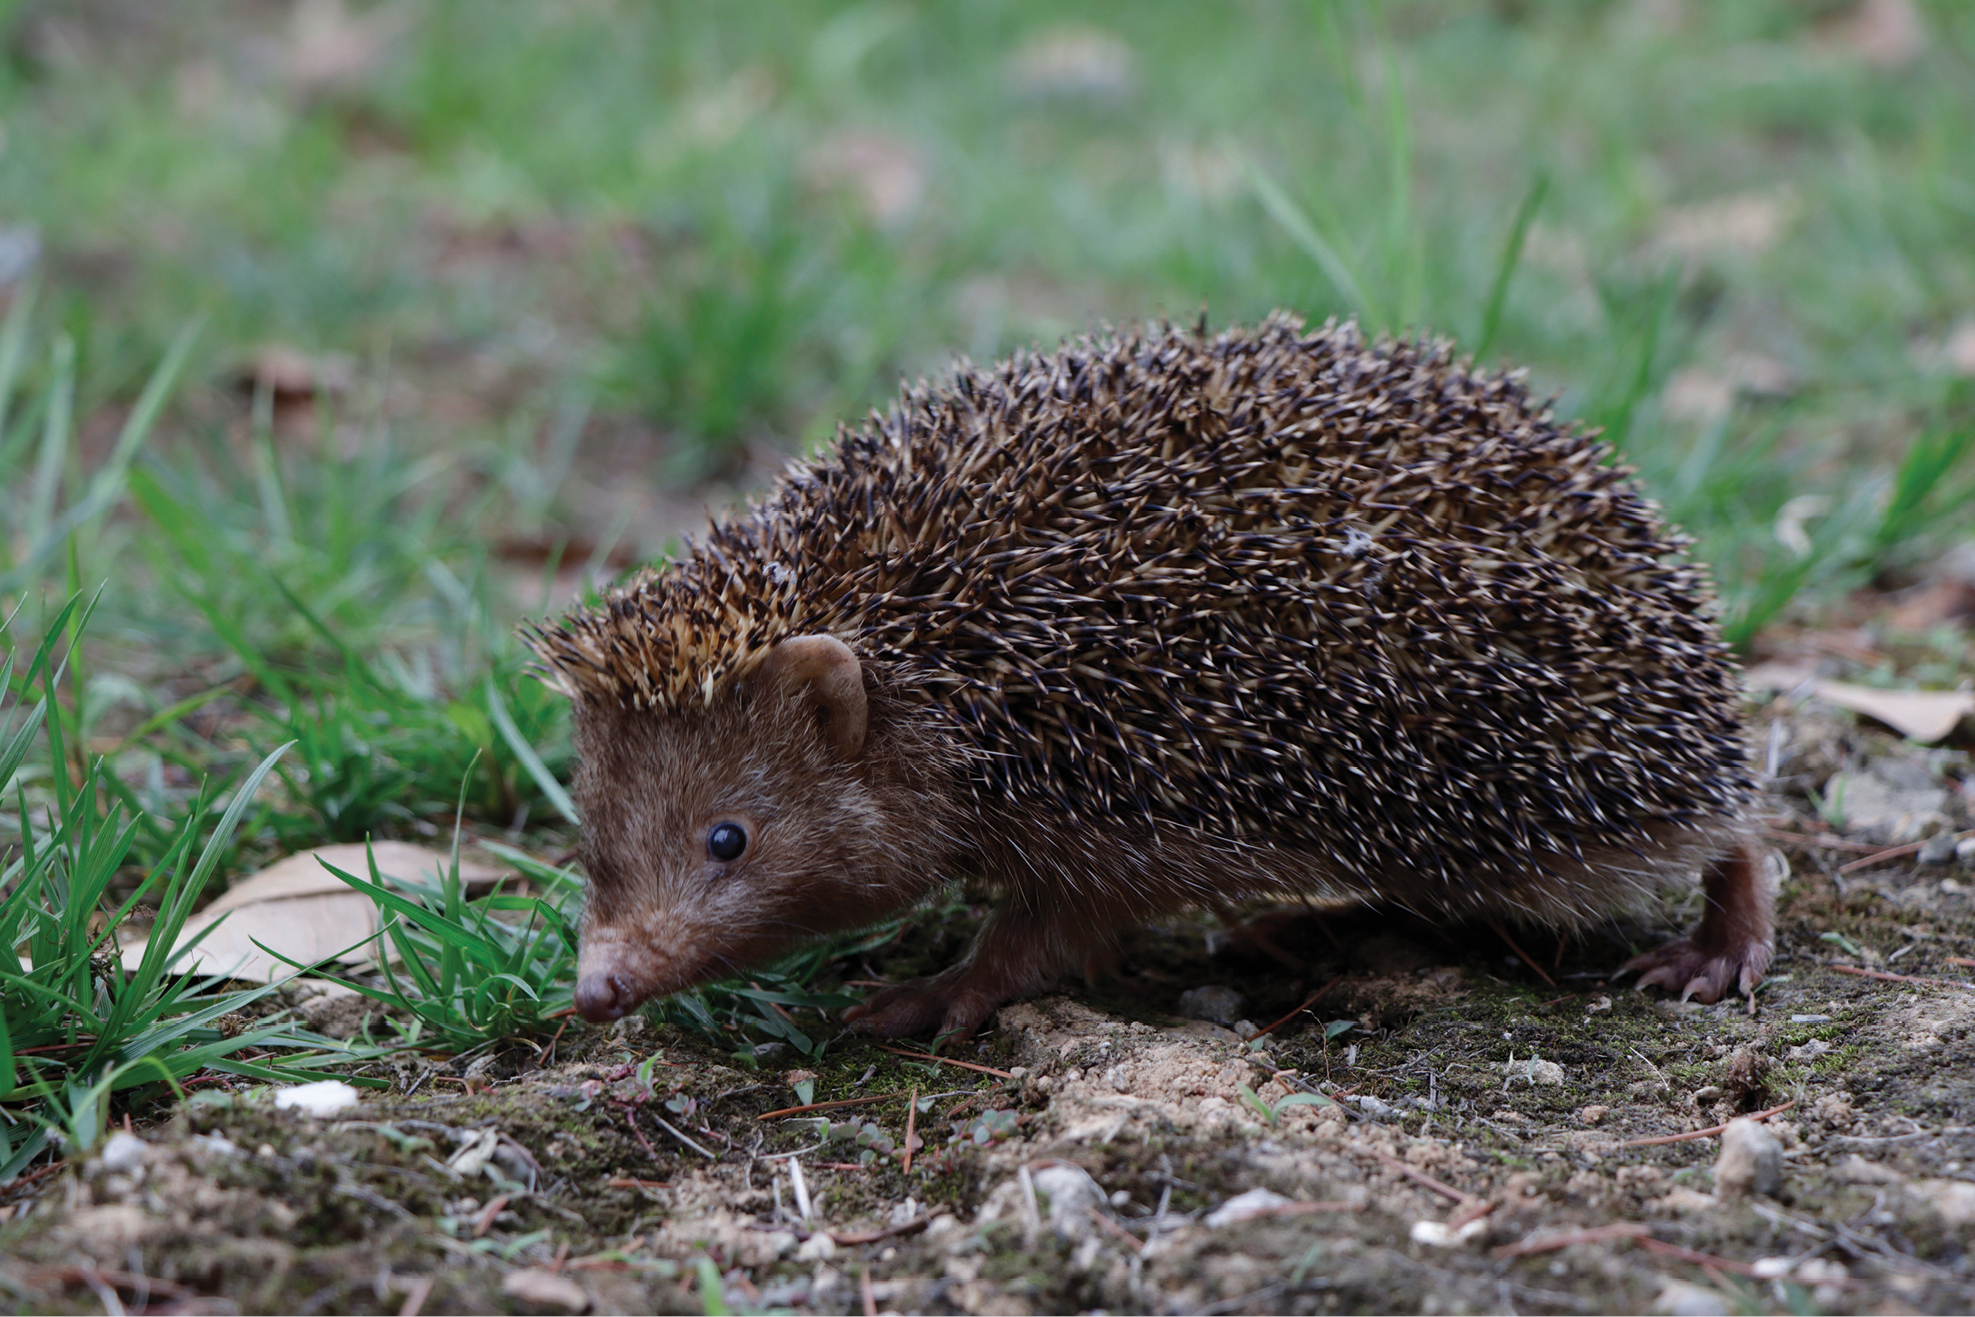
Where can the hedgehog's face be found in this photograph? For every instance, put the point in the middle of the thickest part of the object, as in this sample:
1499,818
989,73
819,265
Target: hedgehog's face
718,838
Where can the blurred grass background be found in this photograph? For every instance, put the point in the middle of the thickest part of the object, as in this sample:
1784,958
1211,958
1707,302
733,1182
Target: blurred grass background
465,307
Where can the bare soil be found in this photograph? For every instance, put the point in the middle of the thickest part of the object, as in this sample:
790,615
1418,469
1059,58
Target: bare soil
1487,1140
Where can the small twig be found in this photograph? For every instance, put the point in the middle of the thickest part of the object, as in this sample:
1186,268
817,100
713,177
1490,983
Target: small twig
415,1296
870,1297
1708,1133
1961,960
1593,1235
1308,1002
826,1106
1503,933
1116,1229
485,1221
911,1127
626,1182
1809,839
1890,853
1413,1172
801,1186
543,1055
850,1239
1889,977
674,1131
1698,1259
631,1119
947,1060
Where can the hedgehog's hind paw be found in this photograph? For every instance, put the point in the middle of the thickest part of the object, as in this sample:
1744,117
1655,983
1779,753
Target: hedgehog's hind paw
1702,973
918,1008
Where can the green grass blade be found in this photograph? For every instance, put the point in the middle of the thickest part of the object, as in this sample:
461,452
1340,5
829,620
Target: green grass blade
1303,231
55,426
1498,290
13,348
525,753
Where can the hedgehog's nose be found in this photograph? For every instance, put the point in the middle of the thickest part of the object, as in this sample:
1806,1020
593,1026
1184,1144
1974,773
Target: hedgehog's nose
601,998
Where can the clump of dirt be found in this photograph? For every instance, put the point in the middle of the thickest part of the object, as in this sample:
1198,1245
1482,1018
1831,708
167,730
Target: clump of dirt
1387,1117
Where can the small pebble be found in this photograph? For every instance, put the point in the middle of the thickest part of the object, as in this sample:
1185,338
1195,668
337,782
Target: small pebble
1937,849
123,1153
1213,1003
1751,1160
323,1098
1964,852
1810,1019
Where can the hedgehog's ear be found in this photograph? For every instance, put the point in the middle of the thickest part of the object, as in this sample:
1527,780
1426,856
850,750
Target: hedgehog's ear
822,671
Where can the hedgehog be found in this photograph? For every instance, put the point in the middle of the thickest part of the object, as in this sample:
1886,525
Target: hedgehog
1161,619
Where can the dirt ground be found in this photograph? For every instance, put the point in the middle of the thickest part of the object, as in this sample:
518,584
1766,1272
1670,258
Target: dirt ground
1493,1134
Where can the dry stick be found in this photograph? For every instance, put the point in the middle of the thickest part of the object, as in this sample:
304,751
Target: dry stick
947,1060
632,1121
870,1298
1698,1259
1708,1133
1308,1002
485,1221
1593,1235
850,1239
911,1128
626,1182
1414,1172
1891,853
1809,839
825,1106
421,1289
1961,960
1901,978
1116,1229
548,1051
1504,935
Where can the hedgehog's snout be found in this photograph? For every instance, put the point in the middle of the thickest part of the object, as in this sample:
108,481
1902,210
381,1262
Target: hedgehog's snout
602,997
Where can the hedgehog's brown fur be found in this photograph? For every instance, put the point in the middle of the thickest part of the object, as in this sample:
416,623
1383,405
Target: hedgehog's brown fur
1345,618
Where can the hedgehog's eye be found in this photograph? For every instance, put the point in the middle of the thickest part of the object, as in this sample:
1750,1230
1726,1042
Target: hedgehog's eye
726,841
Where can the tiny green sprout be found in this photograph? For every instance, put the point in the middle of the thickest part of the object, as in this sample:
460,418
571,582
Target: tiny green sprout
1338,1028
805,1091
645,1068
1273,1114
994,1126
1844,943
712,1300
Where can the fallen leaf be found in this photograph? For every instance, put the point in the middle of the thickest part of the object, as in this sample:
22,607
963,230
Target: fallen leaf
547,1289
1925,716
1887,34
1073,59
1742,225
292,376
297,907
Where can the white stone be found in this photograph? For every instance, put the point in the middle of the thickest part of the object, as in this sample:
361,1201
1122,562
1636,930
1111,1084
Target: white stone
819,1247
124,1153
325,1097
1435,1234
1678,1298
1751,1160
1246,1207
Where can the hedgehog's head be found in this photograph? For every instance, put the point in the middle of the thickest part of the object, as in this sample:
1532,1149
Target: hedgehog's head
720,835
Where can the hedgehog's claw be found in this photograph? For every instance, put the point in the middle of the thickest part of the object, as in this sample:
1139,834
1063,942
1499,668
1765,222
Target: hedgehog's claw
922,1007
1703,974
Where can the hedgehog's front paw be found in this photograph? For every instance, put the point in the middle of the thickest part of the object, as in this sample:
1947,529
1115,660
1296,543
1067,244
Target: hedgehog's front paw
1705,973
923,1007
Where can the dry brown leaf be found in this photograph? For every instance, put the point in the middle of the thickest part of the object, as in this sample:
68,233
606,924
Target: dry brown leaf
297,907
1925,716
546,1289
